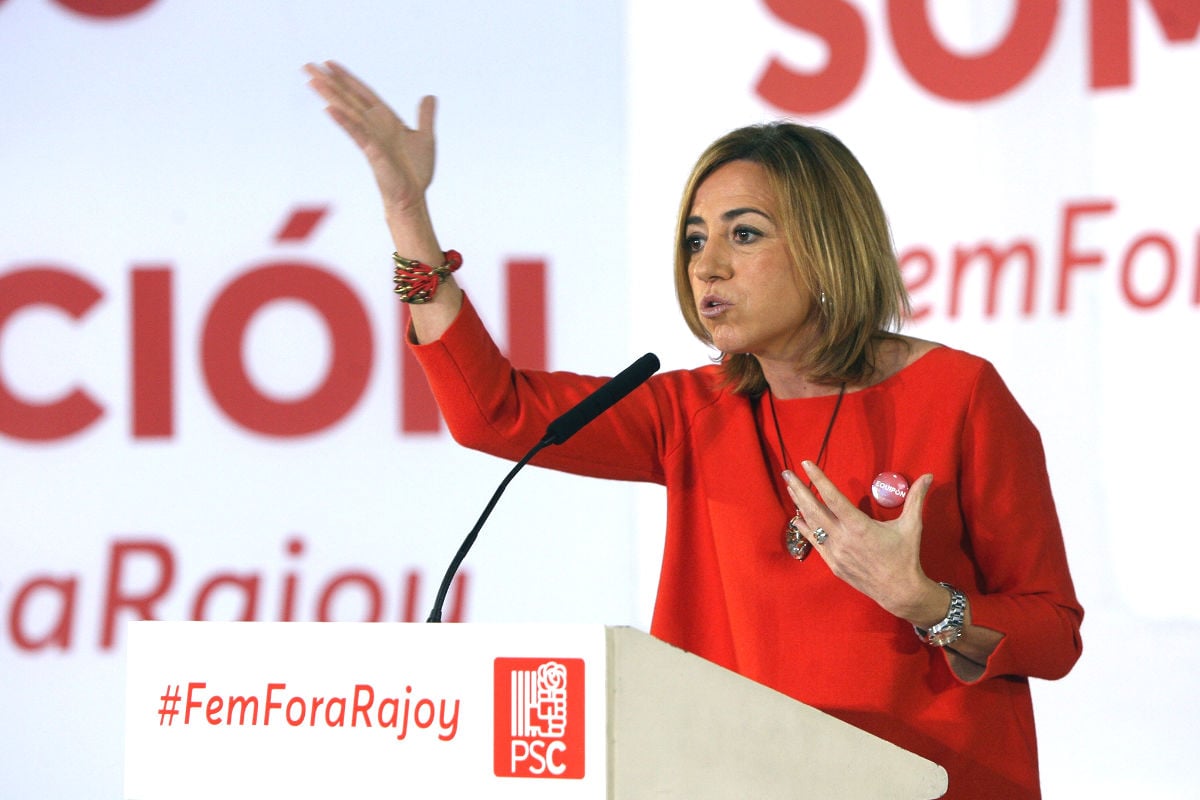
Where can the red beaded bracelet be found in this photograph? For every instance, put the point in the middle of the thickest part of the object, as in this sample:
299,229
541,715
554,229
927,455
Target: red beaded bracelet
417,283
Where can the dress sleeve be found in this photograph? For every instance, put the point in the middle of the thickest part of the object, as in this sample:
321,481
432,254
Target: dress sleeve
492,407
1025,588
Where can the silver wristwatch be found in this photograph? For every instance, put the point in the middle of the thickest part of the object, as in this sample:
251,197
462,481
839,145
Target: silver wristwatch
950,629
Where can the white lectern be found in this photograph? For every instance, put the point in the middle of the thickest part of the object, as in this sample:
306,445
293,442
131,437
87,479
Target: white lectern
308,710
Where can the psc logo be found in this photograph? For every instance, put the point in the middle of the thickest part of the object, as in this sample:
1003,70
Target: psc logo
539,707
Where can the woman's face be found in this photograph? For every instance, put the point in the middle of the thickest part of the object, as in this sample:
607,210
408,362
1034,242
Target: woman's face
744,285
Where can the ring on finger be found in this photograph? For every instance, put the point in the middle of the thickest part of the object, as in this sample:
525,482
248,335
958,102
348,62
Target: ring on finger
819,535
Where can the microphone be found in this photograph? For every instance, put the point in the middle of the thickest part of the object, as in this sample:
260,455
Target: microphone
557,432
601,400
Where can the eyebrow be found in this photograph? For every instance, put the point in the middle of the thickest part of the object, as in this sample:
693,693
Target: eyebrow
731,214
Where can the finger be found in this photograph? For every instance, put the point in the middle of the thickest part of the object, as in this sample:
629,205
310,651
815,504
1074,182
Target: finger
830,495
810,507
319,80
352,94
313,70
815,523
350,125
914,503
799,492
332,92
426,114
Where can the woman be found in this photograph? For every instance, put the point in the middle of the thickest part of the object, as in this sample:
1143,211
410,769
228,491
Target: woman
934,598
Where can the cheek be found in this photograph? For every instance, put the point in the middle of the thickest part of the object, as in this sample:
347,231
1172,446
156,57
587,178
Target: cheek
790,290
783,305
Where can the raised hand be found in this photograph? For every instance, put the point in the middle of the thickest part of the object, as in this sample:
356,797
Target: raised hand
401,157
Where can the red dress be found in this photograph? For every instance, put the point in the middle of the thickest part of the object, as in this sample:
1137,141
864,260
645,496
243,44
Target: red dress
729,592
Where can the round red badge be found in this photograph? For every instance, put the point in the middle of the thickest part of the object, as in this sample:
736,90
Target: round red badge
889,489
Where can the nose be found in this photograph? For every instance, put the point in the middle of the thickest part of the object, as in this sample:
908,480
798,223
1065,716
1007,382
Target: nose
711,263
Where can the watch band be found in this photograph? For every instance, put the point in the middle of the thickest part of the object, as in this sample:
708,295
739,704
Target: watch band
950,629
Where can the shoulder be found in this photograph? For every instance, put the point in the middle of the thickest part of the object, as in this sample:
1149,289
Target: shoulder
952,377
941,374
700,385
686,395
913,357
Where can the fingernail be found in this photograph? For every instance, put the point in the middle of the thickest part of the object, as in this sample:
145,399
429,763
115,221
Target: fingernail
788,475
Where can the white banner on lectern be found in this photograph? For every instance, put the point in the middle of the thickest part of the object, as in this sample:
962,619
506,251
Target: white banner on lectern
364,710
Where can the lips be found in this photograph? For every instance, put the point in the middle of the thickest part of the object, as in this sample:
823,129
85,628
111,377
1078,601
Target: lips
712,305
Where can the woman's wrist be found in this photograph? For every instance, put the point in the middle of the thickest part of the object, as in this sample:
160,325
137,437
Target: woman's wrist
412,233
925,607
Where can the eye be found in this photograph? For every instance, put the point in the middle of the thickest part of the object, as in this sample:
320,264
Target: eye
744,234
693,243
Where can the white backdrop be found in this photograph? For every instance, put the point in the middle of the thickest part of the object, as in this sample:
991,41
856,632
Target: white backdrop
152,151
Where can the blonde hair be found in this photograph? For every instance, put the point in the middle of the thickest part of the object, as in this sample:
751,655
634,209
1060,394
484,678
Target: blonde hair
838,238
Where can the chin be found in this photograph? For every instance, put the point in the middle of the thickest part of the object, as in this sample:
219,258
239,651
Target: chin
728,348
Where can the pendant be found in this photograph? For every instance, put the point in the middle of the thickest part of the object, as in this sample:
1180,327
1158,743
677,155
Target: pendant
796,545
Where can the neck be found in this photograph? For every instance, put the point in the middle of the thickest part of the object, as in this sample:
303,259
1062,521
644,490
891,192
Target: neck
788,382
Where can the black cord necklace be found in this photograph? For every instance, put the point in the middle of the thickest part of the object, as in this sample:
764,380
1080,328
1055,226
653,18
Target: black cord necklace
793,541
